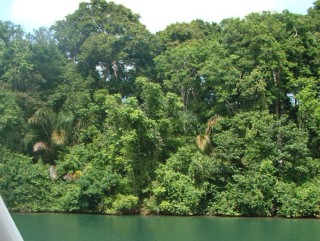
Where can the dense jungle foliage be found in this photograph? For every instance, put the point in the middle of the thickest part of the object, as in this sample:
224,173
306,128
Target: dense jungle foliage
99,115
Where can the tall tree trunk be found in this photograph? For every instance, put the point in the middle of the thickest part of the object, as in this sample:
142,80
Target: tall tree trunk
276,79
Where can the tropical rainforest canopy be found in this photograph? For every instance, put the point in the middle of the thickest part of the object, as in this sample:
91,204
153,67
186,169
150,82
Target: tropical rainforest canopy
99,115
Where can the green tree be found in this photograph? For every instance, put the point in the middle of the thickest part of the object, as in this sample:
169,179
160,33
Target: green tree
25,186
178,33
108,42
47,61
250,193
308,112
12,123
271,43
249,138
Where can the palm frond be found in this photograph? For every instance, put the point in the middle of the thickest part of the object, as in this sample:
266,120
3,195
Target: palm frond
203,142
39,146
58,137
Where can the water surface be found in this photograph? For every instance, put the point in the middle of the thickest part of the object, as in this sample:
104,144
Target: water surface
70,227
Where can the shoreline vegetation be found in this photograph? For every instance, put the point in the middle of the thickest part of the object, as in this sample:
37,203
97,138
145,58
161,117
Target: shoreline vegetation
162,215
98,115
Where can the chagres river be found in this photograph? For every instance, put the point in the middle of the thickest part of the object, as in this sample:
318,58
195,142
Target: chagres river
65,227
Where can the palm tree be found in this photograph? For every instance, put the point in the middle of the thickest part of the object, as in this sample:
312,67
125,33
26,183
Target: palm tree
52,131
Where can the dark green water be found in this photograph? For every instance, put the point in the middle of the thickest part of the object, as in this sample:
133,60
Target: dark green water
63,227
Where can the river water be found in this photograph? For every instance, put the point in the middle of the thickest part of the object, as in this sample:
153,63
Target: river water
70,227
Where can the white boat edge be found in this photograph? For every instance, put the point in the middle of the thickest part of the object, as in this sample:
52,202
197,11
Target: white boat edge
8,229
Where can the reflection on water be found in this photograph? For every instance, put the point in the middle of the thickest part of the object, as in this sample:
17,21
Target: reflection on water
69,227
